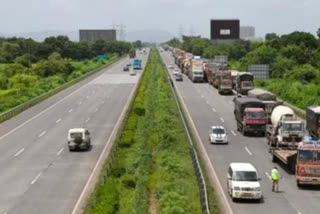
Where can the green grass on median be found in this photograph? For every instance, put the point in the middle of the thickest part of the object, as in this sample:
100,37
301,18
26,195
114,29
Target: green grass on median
152,171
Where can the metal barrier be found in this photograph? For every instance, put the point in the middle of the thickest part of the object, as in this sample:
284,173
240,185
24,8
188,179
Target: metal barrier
20,108
192,150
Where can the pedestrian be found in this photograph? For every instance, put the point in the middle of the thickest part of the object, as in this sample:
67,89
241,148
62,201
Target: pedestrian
275,176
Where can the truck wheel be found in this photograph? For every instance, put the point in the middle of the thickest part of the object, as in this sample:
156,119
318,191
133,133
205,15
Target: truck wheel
274,159
299,185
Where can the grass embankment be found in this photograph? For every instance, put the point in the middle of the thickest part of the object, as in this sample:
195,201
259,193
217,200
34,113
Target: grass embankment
23,87
152,170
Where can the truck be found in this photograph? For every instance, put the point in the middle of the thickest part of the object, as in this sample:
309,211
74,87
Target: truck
244,83
132,53
268,98
313,120
223,82
137,64
210,69
195,70
304,161
234,74
285,130
250,115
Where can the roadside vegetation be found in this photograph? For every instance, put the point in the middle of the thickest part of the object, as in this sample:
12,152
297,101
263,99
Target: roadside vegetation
29,68
294,59
152,170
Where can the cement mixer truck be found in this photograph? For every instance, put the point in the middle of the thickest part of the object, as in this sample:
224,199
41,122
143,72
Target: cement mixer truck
285,130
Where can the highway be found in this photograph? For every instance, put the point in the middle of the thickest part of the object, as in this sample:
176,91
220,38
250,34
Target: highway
208,108
38,173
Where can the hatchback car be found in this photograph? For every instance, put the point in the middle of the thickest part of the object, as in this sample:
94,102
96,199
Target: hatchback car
126,68
217,134
243,182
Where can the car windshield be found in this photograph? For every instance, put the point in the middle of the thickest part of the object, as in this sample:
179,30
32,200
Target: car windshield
292,127
256,115
218,131
245,176
76,135
305,155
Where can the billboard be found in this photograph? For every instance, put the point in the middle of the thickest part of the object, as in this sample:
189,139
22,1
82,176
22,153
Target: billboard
225,29
94,35
259,71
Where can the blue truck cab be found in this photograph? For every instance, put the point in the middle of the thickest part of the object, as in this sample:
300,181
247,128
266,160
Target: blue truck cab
137,64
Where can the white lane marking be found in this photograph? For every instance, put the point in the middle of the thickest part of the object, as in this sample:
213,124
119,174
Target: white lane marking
71,110
36,178
234,134
87,120
43,133
18,153
213,109
202,96
222,119
207,102
60,151
267,174
59,120
96,110
248,151
80,103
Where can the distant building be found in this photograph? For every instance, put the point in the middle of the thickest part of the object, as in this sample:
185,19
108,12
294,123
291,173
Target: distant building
247,33
225,30
94,35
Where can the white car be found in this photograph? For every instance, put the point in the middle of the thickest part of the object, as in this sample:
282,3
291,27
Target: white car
176,71
217,134
243,182
170,66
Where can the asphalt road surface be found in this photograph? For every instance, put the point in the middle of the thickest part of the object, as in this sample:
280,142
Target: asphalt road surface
208,108
38,173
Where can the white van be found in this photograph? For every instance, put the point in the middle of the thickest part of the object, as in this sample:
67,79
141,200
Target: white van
243,182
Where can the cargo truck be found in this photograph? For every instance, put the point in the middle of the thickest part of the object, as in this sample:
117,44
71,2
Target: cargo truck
304,160
195,70
244,83
137,64
224,82
132,53
268,98
313,121
285,130
250,115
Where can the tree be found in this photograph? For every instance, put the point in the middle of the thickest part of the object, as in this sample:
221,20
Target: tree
137,44
318,33
300,54
270,36
9,51
262,55
281,66
300,38
303,73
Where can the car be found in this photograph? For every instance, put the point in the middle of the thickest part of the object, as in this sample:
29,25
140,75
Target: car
217,134
243,182
79,139
126,68
129,64
179,77
170,66
133,72
176,71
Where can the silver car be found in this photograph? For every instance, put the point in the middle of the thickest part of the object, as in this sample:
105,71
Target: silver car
217,134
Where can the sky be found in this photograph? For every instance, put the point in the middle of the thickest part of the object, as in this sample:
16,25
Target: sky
193,16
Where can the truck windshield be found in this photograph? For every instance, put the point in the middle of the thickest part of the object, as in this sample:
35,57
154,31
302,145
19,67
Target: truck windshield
256,115
225,83
245,176
76,135
198,72
305,155
297,127
247,84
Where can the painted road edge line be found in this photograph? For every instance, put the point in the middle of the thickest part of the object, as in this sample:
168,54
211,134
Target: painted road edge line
97,168
206,156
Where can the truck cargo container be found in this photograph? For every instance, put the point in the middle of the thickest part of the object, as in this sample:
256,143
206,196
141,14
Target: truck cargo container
250,115
244,83
195,70
132,53
304,161
313,120
285,130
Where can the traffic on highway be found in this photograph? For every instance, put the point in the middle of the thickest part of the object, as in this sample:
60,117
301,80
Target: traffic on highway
266,159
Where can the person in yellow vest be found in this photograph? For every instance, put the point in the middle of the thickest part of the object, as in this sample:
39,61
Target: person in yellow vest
275,176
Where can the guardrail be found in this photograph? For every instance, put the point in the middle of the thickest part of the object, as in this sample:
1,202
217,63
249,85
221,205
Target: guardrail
192,150
22,107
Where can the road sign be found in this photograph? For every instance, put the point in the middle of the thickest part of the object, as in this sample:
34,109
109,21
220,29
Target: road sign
259,71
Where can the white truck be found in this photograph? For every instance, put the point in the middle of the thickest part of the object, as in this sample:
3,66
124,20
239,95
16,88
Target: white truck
285,130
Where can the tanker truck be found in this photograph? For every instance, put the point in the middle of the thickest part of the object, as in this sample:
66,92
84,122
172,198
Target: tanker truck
250,115
285,130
